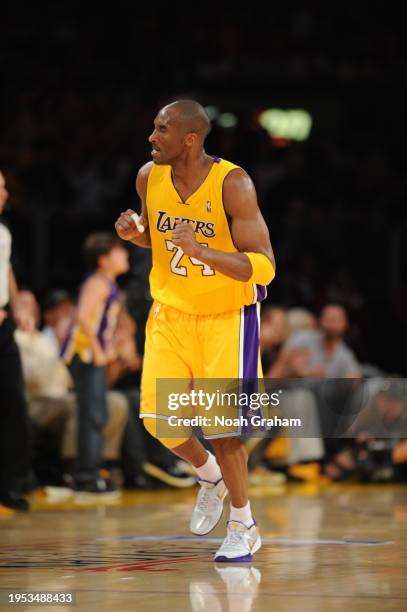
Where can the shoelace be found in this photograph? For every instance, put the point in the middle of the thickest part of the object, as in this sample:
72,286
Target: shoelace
205,500
234,538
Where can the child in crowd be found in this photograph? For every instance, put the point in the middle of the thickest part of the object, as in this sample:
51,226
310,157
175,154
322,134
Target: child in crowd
87,350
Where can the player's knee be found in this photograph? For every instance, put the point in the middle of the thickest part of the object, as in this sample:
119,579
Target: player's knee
226,445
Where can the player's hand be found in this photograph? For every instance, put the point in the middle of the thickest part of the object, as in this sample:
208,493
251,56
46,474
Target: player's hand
184,237
126,226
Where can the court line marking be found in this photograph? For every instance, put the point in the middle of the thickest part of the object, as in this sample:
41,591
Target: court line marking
148,566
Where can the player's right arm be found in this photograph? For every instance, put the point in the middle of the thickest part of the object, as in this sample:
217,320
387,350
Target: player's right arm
125,225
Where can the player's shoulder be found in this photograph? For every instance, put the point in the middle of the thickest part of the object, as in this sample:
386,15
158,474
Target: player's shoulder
144,172
237,183
235,176
142,178
145,169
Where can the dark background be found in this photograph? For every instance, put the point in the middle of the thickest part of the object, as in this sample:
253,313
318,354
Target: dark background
81,86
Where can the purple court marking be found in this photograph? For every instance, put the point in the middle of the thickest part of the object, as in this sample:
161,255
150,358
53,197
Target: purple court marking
280,541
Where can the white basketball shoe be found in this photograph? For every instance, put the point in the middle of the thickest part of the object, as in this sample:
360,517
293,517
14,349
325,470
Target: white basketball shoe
240,544
209,506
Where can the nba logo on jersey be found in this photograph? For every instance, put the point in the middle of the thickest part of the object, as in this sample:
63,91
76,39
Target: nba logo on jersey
209,206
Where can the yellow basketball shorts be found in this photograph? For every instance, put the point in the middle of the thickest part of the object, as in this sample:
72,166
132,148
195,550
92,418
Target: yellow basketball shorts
181,347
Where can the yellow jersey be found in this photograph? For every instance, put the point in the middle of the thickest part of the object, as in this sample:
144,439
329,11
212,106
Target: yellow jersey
183,282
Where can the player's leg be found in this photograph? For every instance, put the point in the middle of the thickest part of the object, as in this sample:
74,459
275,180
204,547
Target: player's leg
231,455
209,505
168,354
233,340
243,538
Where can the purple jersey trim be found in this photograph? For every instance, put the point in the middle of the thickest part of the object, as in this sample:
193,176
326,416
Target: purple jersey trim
250,342
261,292
251,347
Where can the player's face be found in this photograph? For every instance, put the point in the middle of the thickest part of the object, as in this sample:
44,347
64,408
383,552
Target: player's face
334,321
167,139
3,193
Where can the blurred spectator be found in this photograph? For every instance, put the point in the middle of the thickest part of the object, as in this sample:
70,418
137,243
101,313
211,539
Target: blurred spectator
319,353
145,460
322,354
383,413
53,406
14,436
373,451
300,318
87,351
273,333
126,359
58,311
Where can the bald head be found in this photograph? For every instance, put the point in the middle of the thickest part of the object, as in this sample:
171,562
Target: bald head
179,132
190,115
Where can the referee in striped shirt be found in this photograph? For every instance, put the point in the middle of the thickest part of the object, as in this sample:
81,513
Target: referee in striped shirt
14,438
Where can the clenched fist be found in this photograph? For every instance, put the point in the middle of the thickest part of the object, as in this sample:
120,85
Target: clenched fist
184,237
126,227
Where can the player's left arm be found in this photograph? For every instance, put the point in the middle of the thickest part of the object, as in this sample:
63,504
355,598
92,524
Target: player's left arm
255,259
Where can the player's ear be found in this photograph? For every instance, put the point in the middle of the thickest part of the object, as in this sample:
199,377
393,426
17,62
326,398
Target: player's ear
190,139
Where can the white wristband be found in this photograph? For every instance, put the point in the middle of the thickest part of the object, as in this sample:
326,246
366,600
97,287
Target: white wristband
136,218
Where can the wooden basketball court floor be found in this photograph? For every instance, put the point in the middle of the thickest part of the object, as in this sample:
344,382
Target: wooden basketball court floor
326,547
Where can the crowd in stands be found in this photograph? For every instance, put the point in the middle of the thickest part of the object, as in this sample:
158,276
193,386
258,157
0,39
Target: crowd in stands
297,346
77,112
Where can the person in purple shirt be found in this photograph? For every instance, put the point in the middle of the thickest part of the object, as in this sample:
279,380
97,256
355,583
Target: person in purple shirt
87,351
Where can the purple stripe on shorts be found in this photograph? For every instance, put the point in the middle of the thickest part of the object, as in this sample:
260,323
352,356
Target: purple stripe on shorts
250,342
261,292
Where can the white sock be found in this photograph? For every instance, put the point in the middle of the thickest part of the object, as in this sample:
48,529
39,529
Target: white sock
209,470
244,515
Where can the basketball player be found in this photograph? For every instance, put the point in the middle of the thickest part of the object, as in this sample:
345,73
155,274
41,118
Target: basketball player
212,260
